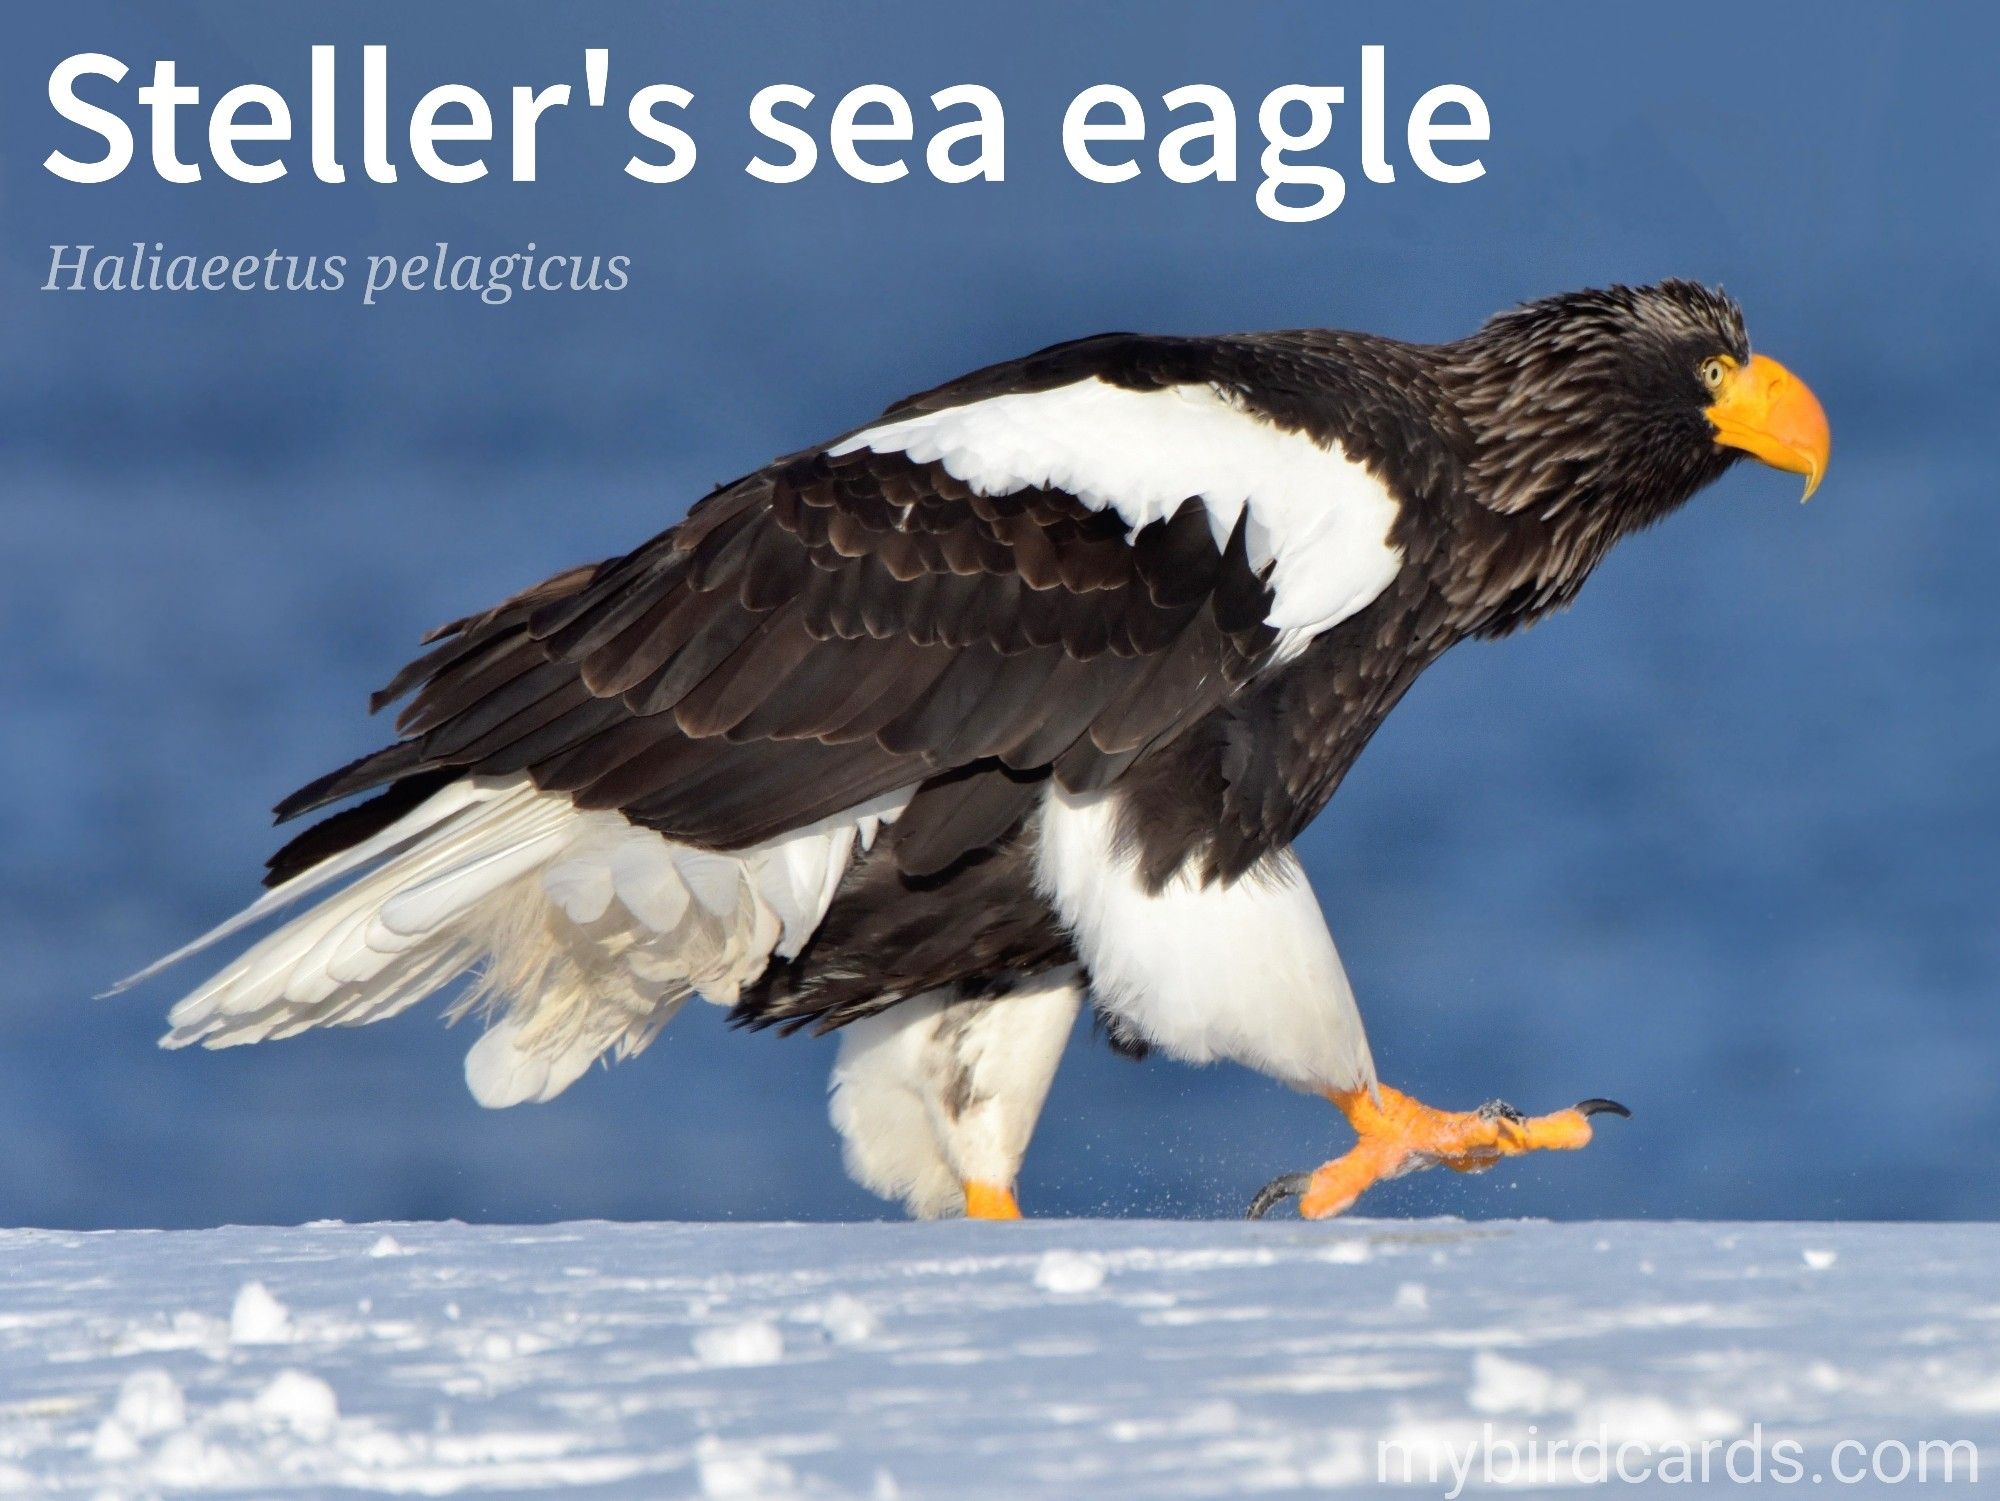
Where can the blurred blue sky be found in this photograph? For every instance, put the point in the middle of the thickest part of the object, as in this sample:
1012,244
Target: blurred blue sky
1720,843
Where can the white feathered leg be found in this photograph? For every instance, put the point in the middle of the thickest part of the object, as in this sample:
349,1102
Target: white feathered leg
936,1098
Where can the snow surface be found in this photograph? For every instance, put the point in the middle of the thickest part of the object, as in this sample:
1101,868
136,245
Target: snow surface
1061,1358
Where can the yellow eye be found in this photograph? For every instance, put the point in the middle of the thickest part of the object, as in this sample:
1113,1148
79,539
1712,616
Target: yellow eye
1715,370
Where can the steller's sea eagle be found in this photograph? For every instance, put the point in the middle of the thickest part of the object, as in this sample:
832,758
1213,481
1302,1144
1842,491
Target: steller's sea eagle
1018,695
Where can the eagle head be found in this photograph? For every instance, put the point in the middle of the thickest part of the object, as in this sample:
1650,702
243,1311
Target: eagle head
1624,401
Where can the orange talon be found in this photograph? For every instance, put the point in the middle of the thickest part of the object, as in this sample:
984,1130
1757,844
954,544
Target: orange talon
1401,1135
987,1201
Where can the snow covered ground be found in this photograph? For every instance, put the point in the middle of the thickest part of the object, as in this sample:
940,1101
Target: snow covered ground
1060,1359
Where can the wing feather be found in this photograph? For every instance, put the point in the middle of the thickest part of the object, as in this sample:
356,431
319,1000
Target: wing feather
873,616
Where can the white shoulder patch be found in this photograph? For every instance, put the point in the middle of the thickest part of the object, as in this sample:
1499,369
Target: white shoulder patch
1319,518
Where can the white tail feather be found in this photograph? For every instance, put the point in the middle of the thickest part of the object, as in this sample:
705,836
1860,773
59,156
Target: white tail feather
433,812
589,932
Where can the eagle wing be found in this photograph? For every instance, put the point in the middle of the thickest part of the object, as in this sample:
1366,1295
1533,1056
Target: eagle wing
1039,571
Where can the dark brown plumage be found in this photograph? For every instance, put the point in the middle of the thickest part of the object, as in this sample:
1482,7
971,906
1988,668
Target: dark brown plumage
833,628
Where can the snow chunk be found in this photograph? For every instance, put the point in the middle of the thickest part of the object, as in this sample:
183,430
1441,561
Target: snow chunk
1203,1420
187,1461
301,1402
258,1318
1981,1396
1656,1422
1412,1297
1503,1385
1818,1260
752,1343
1069,1272
149,1404
740,1473
113,1443
846,1318
388,1245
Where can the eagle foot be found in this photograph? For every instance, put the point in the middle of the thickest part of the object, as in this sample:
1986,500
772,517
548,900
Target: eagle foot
1399,1135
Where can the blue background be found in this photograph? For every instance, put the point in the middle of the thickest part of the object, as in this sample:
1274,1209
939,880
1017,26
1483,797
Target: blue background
1721,842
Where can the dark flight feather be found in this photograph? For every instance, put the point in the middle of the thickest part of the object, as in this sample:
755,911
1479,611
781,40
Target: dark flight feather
962,811
731,693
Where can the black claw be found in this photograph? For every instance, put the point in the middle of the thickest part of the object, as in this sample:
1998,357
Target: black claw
1274,1193
1602,1107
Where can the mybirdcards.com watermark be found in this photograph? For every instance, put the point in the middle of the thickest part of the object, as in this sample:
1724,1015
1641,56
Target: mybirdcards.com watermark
1500,1458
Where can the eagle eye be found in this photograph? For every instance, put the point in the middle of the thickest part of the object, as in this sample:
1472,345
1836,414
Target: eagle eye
1715,370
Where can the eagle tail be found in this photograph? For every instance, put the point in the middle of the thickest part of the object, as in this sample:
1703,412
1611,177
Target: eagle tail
588,933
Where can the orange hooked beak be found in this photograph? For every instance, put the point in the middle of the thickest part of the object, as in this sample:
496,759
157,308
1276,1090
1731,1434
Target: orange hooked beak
1769,413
